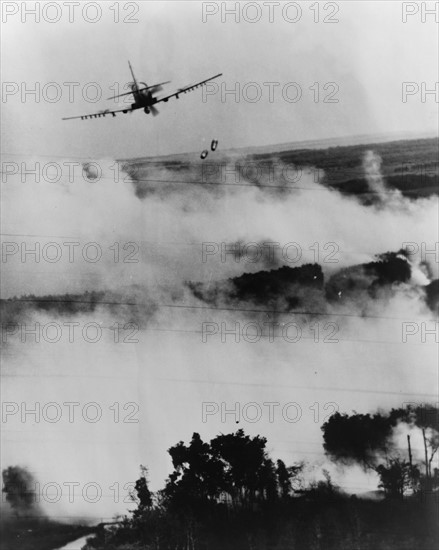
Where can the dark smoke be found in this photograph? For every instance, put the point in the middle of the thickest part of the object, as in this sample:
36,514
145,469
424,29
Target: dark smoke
391,268
432,296
133,305
270,288
19,485
305,286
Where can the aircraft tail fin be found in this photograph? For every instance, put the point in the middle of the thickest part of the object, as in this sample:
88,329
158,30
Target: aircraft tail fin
134,78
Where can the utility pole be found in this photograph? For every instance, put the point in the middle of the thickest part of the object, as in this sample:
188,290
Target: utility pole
411,461
410,453
427,470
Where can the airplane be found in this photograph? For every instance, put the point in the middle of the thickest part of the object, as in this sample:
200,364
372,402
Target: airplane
143,98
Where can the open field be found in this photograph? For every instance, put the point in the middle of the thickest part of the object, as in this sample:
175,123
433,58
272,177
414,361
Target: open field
410,166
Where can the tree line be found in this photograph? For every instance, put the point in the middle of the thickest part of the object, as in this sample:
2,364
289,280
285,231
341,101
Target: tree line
228,493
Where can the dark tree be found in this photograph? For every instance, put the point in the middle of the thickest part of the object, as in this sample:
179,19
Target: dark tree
286,477
426,418
144,495
395,477
248,471
198,475
368,440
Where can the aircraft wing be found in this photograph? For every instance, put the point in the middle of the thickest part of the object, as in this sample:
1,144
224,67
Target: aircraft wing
103,113
188,88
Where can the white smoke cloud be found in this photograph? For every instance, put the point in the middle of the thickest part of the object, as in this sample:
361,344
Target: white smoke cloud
170,372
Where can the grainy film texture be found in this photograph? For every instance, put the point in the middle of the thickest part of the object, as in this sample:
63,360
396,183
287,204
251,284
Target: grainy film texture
220,264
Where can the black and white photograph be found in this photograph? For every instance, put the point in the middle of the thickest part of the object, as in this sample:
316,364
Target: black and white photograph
219,275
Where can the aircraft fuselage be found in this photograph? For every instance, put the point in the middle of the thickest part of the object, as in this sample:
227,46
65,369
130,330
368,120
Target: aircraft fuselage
143,100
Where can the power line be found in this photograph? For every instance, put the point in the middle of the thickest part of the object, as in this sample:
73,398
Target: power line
277,312
37,236
285,187
51,375
313,388
204,307
335,341
328,339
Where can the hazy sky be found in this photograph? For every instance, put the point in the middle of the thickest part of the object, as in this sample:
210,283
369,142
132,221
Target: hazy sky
367,54
170,372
